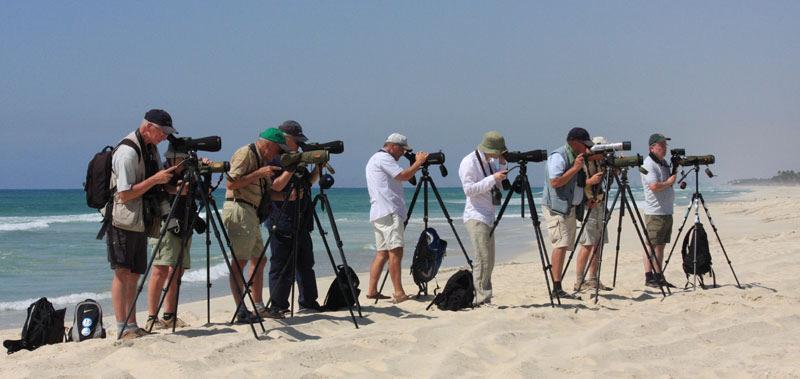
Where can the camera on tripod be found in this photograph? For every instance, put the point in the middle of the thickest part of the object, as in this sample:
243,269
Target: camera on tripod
186,144
318,154
433,159
333,147
525,156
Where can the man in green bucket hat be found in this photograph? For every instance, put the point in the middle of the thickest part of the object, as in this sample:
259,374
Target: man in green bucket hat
482,172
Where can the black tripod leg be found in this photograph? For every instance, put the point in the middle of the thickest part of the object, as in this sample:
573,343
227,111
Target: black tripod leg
327,209
680,231
575,246
233,261
156,250
450,221
208,270
619,237
714,227
546,267
645,241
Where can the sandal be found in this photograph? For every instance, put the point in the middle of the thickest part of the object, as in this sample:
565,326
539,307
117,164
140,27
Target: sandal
378,296
398,300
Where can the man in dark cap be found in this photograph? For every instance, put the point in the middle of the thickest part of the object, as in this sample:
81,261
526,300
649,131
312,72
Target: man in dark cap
286,265
134,171
563,192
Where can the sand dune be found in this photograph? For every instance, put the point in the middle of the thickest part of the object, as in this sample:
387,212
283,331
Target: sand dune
630,332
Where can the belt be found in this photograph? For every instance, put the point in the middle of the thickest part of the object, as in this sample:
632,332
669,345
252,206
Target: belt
240,201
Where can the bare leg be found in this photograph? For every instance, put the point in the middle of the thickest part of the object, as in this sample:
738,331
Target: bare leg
375,271
236,280
258,279
580,263
118,292
395,258
130,295
154,287
170,303
558,262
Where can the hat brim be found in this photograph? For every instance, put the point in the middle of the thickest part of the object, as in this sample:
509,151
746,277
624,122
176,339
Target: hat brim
588,143
489,150
665,139
301,137
167,129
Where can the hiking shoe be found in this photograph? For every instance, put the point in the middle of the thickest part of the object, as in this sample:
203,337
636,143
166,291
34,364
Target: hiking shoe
167,324
312,306
246,317
154,324
592,284
652,283
580,288
665,283
561,294
270,312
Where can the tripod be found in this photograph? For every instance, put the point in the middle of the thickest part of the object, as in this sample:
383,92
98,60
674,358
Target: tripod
697,199
424,182
622,195
196,189
299,181
523,187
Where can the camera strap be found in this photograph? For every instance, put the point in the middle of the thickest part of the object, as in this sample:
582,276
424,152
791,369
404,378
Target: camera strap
480,161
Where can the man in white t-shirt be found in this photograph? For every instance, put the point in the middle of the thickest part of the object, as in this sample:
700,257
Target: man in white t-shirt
388,210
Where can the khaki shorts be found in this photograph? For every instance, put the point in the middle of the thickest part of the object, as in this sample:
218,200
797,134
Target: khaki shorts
561,229
659,228
388,232
170,250
594,226
244,230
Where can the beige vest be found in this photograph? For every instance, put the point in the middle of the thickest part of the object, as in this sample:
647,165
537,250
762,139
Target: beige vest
130,215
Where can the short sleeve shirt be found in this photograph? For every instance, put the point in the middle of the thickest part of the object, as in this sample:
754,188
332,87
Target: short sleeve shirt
657,203
244,162
385,192
556,166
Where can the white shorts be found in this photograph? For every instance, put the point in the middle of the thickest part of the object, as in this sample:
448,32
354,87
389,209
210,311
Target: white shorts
388,232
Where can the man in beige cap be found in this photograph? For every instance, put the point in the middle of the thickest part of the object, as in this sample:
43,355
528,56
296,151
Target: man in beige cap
388,210
481,173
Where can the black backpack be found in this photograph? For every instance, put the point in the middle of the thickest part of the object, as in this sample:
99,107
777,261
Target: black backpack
458,293
334,299
87,323
43,326
98,176
98,181
703,254
427,259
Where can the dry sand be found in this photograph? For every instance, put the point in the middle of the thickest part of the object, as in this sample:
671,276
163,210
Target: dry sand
631,332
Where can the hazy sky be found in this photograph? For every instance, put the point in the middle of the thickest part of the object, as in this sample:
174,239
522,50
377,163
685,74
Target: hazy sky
718,77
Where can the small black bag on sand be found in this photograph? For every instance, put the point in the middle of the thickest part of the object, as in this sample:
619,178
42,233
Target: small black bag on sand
703,255
334,299
43,326
87,323
458,293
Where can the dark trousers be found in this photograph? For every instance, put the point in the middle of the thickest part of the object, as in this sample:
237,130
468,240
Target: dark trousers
281,270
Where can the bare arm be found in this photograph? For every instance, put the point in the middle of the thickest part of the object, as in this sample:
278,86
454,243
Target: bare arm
250,178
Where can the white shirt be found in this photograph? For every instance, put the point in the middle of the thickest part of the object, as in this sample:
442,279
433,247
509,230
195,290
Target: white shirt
385,192
556,166
477,188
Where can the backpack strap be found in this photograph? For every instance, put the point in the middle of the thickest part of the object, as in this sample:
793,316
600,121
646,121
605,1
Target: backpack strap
110,205
253,149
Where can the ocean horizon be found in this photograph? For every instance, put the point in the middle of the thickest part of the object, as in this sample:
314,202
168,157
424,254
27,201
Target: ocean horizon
48,246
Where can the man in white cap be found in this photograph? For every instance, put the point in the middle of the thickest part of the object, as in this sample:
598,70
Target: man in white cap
481,174
387,212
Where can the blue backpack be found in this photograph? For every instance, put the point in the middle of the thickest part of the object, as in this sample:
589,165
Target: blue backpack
427,259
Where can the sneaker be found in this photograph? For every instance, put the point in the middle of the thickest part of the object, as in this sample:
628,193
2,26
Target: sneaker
246,317
270,312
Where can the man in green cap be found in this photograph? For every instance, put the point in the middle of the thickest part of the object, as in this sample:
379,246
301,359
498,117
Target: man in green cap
482,172
659,197
248,180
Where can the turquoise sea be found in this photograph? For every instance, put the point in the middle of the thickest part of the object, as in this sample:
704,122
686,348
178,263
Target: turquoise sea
47,244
